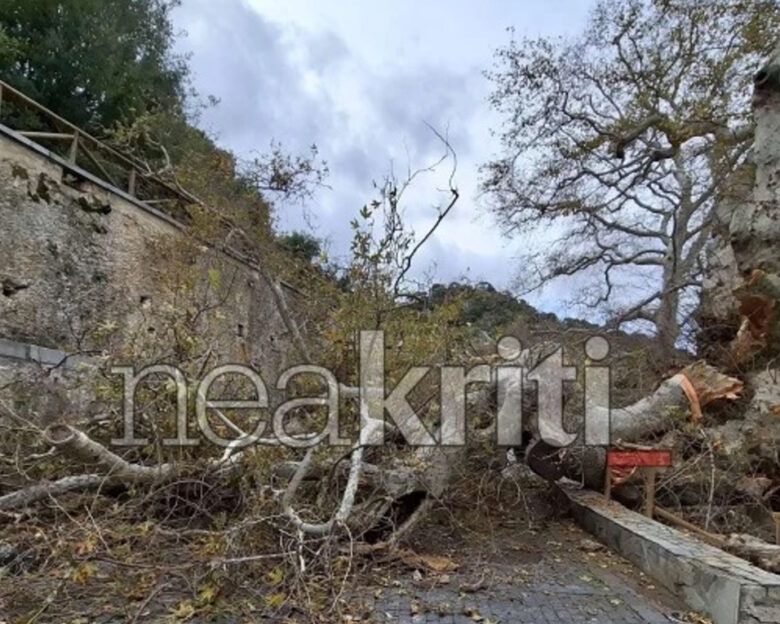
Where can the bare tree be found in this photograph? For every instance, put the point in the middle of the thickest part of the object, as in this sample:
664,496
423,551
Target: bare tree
624,139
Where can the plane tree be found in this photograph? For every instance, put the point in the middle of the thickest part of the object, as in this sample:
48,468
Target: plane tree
622,140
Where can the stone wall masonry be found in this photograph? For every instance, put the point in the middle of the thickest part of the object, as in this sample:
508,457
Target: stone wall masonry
80,255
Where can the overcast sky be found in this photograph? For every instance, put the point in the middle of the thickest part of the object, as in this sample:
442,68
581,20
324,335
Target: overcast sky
361,79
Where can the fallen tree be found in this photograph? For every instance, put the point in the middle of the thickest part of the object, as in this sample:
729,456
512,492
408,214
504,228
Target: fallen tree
382,498
695,386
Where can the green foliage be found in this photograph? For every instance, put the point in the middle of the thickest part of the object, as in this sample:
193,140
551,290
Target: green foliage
108,66
187,157
301,245
481,305
94,62
369,295
9,49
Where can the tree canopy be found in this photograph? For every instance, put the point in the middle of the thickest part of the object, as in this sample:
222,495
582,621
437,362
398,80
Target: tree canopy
109,66
94,62
301,245
481,305
624,138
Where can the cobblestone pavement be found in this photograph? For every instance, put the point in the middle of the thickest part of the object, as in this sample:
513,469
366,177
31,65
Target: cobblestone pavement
547,577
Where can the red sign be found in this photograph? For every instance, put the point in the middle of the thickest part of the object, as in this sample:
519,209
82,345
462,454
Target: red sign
633,459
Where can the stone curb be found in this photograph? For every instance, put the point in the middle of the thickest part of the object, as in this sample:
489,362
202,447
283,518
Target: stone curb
728,589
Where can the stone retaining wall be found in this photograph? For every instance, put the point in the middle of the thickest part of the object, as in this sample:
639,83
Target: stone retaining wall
80,257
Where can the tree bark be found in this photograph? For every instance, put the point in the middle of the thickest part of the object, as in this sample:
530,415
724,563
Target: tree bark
651,415
41,491
667,323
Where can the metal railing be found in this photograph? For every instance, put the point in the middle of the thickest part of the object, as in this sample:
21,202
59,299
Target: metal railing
123,171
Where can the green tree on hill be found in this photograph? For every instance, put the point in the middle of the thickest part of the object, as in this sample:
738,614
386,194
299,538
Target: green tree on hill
482,305
94,62
301,245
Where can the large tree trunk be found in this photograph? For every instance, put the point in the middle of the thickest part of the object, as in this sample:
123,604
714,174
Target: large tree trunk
694,386
667,323
743,261
755,227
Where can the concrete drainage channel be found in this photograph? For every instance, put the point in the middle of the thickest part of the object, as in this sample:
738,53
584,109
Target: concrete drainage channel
726,588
